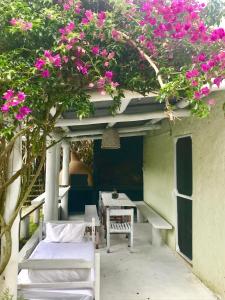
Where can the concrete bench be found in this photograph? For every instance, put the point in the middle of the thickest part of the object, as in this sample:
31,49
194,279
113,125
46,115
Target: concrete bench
90,213
159,225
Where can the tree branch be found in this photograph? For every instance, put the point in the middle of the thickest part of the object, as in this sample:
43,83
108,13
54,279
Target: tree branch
148,58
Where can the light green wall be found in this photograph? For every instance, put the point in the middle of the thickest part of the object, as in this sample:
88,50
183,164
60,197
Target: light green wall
208,140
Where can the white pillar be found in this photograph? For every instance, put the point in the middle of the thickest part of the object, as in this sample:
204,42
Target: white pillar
57,169
8,280
24,227
65,178
50,185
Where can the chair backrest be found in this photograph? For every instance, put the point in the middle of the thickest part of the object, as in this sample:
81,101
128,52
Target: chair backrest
121,212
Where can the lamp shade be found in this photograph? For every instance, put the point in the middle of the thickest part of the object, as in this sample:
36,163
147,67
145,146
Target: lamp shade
110,139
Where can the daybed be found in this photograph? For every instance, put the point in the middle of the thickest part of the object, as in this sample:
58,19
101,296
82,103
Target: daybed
63,266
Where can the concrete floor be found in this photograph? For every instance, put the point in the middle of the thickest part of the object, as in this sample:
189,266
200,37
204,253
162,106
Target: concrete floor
150,273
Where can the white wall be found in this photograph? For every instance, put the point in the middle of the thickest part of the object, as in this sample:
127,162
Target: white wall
208,138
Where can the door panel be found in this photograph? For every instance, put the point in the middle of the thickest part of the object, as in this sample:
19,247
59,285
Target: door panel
184,189
184,212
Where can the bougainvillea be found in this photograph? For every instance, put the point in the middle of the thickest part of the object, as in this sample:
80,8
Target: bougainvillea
169,39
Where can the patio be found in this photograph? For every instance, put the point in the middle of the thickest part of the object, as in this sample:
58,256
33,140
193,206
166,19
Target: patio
150,273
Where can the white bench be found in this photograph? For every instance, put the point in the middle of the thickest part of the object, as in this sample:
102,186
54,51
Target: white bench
90,213
159,225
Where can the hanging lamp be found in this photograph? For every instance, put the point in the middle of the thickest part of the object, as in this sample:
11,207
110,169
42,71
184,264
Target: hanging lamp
110,139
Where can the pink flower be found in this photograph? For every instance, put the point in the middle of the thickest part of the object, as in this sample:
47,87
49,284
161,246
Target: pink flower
194,83
205,68
26,26
205,91
101,83
192,73
211,102
111,55
218,81
47,53
91,85
8,95
95,50
45,74
13,22
197,95
115,35
114,84
56,60
66,6
202,57
89,15
82,36
69,47
109,75
101,15
104,53
21,96
82,68
84,21
70,27
106,64
65,59
23,112
39,64
101,18
5,108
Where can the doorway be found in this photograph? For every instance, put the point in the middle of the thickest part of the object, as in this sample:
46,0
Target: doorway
184,188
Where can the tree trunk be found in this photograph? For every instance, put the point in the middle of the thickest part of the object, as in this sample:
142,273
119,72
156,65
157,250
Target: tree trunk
8,280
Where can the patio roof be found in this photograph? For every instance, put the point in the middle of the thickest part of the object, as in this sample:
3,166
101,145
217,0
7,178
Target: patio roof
137,115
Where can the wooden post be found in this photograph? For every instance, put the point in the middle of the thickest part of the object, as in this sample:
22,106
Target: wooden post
65,178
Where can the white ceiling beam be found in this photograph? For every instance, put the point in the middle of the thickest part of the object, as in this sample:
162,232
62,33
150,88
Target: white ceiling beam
120,130
99,137
123,106
121,118
96,96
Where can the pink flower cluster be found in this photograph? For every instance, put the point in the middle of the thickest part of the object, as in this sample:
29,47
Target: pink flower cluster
176,19
13,99
20,23
48,60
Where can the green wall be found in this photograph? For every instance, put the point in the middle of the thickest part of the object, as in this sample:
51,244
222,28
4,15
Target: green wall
208,141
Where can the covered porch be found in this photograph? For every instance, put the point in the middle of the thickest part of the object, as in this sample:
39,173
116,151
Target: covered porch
149,272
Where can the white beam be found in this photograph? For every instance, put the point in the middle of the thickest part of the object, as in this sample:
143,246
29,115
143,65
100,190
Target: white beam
99,137
96,96
121,118
123,106
120,130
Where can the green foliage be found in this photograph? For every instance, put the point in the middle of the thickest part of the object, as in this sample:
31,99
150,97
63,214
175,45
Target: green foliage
214,12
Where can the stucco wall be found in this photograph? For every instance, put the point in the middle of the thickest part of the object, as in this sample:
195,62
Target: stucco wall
208,140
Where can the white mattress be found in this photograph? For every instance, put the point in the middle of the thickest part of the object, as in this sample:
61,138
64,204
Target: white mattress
82,250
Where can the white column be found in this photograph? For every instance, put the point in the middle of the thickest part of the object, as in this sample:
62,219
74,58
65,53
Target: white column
57,169
65,178
50,185
8,280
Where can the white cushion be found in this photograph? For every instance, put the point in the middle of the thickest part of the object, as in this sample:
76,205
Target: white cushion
64,233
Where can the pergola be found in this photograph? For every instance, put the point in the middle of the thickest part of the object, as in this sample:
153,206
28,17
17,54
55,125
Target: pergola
136,116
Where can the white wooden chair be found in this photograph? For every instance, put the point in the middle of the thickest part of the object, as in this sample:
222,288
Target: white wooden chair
126,226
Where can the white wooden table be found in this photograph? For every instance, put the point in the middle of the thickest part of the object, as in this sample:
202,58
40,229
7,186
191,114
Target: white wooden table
108,202
121,201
